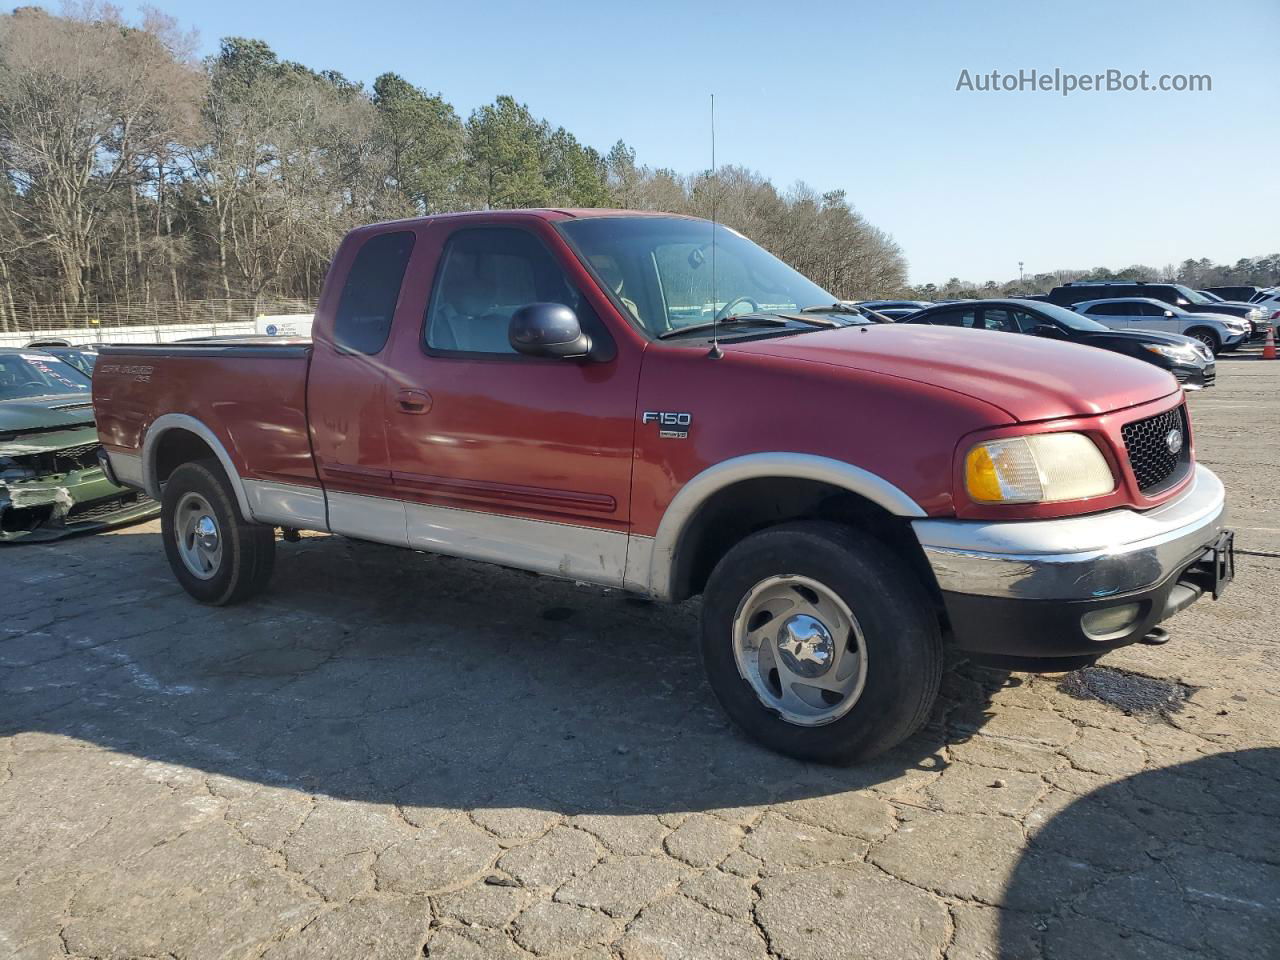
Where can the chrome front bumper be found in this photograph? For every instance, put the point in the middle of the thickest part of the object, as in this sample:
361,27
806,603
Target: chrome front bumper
1075,558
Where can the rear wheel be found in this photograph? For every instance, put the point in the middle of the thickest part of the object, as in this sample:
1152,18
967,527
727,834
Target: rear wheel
219,557
1207,337
821,643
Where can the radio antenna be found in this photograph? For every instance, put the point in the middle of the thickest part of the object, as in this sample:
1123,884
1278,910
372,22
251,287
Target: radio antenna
715,353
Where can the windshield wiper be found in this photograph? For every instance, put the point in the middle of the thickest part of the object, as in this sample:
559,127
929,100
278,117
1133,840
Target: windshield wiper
757,319
754,319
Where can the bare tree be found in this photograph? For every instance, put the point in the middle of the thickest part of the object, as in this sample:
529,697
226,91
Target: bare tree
83,100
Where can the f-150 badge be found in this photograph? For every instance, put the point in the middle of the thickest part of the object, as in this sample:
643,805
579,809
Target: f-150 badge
671,426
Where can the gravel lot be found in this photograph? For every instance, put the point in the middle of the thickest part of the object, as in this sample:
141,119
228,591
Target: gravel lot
394,755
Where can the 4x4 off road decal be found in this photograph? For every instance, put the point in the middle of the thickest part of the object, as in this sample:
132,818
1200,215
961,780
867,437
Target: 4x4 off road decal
671,426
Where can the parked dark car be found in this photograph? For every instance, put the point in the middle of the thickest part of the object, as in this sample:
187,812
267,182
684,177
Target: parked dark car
1176,294
81,357
1244,293
1190,361
51,483
894,309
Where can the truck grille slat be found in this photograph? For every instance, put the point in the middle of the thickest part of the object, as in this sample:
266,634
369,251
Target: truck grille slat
76,458
1155,466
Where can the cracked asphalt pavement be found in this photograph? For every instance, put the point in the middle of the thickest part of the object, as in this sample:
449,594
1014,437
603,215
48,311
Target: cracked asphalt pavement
397,755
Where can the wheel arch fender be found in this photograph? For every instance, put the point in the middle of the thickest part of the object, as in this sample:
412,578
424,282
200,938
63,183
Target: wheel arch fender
180,421
1202,326
663,559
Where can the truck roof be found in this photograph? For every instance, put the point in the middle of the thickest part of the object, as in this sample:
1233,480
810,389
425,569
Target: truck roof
541,213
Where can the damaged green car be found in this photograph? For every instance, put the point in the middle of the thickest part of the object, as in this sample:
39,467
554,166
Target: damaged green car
50,482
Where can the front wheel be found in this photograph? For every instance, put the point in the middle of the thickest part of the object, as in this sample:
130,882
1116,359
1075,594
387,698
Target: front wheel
219,557
820,642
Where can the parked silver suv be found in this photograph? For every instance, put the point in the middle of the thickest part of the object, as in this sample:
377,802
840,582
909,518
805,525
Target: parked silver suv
1216,331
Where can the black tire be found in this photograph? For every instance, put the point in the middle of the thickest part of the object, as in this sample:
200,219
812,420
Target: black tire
247,550
903,645
1208,337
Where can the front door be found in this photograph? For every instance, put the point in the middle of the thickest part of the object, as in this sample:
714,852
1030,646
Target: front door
497,455
1151,316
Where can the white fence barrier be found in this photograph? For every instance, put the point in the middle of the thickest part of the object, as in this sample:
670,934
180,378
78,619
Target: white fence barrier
297,325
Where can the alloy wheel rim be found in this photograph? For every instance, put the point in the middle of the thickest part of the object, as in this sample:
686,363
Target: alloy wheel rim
198,536
800,649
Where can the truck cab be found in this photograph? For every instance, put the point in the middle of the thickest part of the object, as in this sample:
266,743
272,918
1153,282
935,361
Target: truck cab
654,403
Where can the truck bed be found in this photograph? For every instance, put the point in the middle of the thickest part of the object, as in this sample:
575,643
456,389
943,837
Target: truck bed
250,391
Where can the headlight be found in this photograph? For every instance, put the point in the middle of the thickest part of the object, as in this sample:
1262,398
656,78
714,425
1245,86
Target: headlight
1235,327
11,471
1183,353
1037,469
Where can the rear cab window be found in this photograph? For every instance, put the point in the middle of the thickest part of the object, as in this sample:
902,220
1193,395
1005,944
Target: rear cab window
372,289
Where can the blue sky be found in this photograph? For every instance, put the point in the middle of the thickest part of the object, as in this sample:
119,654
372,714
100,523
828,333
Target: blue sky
861,96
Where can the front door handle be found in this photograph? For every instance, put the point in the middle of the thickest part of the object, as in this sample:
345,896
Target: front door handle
413,401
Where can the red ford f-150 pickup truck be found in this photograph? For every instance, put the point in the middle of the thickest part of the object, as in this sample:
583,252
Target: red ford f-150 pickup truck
652,403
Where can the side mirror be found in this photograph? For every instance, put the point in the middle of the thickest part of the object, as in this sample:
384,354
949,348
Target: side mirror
1169,314
547,330
1047,330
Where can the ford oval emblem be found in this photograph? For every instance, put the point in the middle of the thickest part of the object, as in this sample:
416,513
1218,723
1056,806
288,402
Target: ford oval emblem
1173,440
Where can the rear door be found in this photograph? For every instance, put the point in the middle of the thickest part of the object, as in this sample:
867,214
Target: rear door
501,456
346,390
1112,315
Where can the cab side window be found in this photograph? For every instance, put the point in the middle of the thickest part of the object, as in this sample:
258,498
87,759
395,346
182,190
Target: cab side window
998,318
485,275
369,296
1024,322
953,318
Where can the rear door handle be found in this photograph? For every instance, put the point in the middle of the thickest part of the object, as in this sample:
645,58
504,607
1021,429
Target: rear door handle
414,401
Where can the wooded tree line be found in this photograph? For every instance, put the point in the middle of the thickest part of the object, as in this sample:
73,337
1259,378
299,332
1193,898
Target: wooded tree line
135,172
1197,274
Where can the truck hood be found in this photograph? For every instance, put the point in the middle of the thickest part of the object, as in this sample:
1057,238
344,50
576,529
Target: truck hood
1029,378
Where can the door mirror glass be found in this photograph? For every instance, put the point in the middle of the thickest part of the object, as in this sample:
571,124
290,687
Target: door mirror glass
548,330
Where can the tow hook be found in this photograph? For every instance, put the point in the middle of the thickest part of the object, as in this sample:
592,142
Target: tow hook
1155,637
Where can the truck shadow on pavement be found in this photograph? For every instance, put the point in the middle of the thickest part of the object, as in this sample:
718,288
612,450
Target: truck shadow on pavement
1173,863
386,676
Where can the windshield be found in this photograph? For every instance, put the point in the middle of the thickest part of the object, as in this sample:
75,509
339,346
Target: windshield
82,360
1191,296
660,269
1069,318
26,375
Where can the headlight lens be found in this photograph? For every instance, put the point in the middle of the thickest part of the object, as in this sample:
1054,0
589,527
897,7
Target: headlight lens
1183,353
1038,469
